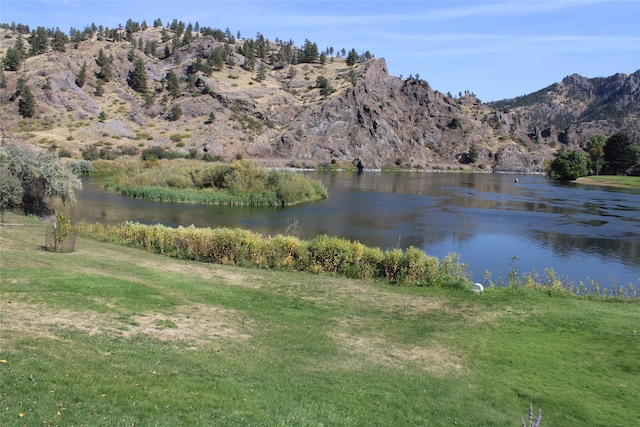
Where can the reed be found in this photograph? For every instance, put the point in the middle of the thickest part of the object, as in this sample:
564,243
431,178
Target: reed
238,183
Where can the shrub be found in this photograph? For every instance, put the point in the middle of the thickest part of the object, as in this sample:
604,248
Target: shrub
82,167
319,255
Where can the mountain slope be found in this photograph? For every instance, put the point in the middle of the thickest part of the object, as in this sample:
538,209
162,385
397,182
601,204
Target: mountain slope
283,116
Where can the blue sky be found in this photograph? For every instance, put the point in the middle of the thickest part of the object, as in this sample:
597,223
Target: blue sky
496,49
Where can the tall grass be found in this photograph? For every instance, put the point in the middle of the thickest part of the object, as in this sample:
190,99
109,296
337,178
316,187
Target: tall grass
238,183
323,254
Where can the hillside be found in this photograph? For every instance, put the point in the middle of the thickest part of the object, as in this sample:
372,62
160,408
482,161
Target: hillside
577,108
274,110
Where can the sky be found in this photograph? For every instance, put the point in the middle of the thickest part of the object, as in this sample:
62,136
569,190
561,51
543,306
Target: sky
494,49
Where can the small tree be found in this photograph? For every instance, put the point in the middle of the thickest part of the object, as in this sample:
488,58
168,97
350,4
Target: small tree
62,232
596,152
175,113
138,77
262,73
105,63
12,59
27,103
352,58
353,77
323,84
81,78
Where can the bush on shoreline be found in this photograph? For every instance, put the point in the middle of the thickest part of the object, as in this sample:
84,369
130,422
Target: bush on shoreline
323,254
326,254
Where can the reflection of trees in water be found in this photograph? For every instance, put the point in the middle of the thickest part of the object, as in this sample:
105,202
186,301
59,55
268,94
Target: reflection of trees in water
624,251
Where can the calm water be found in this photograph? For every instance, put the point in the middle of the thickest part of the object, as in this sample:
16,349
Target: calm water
488,219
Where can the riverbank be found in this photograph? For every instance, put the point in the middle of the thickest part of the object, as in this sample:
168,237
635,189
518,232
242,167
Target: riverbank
188,343
618,181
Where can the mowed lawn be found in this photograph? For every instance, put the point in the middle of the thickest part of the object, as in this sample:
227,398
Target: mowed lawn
115,336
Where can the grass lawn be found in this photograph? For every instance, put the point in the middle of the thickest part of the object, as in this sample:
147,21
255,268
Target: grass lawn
110,335
612,181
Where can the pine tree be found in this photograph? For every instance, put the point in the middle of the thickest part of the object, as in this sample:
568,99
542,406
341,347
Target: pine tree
249,55
39,41
617,153
27,103
59,41
81,78
12,59
310,52
138,77
105,73
353,57
262,73
173,86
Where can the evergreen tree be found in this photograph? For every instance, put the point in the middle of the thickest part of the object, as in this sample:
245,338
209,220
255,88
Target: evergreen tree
39,41
105,73
173,86
12,59
618,154
353,57
216,60
310,52
262,73
27,103
325,88
261,47
249,55
20,46
285,55
3,80
77,36
138,77
99,88
59,41
81,78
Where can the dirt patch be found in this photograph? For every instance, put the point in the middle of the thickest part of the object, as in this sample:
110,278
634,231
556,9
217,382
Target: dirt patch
363,351
361,293
196,324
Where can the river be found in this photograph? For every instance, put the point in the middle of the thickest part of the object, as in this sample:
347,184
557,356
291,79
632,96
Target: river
495,222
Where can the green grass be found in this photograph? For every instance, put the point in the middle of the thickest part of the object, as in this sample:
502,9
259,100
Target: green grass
612,180
111,335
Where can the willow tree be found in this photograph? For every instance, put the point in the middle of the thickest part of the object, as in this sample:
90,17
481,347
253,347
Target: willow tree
42,177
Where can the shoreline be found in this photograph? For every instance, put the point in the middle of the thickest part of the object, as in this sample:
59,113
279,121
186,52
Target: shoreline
608,181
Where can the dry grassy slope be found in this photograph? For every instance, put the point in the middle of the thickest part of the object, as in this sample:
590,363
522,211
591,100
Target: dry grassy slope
382,119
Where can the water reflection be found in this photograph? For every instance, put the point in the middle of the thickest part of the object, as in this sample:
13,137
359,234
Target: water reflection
582,232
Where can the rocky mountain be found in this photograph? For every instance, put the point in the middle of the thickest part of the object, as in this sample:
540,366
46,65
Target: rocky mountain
572,111
287,111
